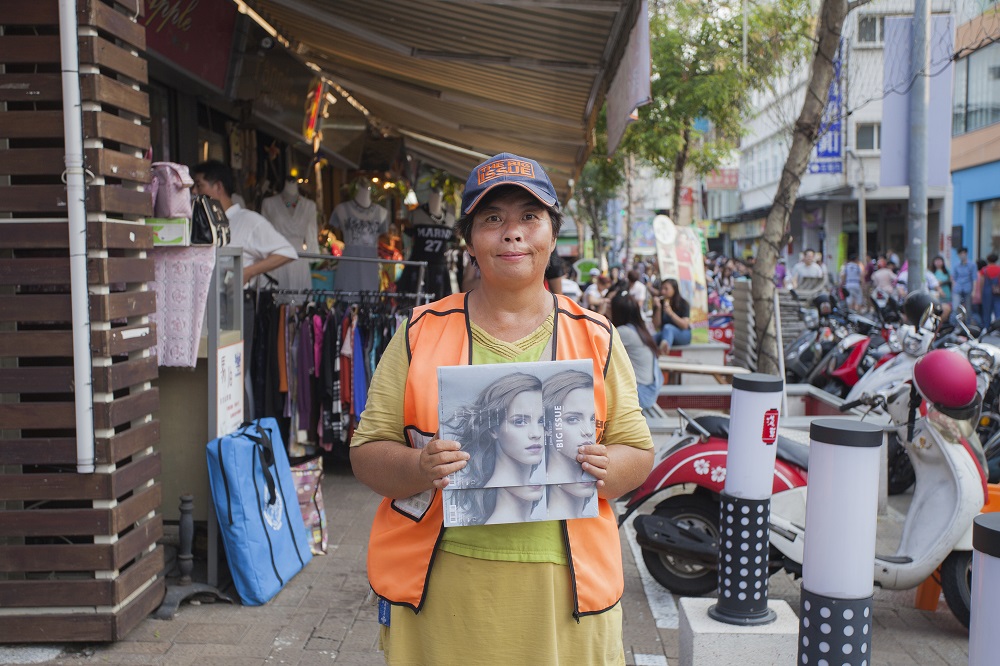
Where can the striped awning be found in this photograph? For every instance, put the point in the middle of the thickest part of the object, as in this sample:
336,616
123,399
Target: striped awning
466,79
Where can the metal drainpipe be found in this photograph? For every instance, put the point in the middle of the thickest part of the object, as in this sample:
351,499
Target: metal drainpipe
76,211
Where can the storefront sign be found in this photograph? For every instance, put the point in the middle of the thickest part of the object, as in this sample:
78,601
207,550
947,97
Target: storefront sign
709,227
194,35
748,229
723,179
229,388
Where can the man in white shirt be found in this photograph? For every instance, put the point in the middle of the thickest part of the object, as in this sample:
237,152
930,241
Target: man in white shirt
264,249
807,269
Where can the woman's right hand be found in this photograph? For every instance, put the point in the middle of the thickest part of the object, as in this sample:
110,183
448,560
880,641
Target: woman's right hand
440,458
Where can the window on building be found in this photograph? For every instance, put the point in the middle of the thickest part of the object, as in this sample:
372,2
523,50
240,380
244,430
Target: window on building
977,90
988,222
868,136
871,29
959,98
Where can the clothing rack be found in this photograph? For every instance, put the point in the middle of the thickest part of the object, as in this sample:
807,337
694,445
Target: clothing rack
419,297
421,265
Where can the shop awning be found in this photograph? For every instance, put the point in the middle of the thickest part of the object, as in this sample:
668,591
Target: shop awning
464,79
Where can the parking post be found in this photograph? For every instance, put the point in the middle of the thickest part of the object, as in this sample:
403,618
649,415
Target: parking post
838,567
745,507
985,607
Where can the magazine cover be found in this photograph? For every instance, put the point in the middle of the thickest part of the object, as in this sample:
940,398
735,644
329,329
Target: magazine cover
522,425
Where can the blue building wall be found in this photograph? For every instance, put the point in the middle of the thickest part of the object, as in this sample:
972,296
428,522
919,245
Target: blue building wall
969,186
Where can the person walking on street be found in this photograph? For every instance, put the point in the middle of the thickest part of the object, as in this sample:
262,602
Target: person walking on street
543,592
851,276
990,289
963,279
807,274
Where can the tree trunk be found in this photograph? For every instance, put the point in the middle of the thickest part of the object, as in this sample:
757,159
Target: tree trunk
805,134
679,165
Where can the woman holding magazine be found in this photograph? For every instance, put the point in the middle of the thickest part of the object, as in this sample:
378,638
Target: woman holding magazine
555,585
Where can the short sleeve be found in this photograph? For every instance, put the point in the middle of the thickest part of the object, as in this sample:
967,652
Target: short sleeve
685,309
625,422
382,419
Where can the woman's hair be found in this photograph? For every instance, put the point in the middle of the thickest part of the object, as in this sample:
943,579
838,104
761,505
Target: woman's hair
944,266
476,505
676,299
558,386
475,424
464,225
624,311
554,392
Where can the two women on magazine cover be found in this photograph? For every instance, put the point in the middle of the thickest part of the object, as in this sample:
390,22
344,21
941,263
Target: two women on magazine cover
556,585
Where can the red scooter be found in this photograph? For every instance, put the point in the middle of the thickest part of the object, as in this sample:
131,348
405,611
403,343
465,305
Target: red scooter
679,540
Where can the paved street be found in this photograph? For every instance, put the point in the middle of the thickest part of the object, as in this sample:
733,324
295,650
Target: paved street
322,617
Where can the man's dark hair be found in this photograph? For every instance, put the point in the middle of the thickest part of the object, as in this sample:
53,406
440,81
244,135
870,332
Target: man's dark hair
808,249
991,258
215,171
464,226
963,249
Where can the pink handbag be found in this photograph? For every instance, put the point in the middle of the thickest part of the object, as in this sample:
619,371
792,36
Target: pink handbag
171,190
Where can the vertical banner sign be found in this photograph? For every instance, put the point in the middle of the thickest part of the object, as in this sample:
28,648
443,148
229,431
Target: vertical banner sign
679,255
828,155
229,387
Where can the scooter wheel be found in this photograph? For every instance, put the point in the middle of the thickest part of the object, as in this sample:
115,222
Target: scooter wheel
956,582
679,575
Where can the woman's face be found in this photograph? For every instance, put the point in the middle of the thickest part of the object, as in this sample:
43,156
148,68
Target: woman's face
512,238
938,263
667,290
520,437
583,489
526,493
579,421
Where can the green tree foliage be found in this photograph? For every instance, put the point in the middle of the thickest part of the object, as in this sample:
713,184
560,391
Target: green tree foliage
600,180
698,74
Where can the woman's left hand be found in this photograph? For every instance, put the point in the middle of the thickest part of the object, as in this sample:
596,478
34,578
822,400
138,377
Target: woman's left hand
594,460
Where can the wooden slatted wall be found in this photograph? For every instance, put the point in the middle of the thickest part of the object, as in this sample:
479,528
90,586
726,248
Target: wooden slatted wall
78,554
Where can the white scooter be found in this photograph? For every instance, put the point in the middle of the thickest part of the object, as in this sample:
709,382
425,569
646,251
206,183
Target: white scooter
951,483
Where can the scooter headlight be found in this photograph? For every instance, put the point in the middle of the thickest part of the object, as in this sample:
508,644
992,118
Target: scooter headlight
981,359
912,345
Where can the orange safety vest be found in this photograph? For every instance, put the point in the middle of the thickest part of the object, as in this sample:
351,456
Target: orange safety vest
405,533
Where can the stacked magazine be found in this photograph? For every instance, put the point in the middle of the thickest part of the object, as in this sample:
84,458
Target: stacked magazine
522,425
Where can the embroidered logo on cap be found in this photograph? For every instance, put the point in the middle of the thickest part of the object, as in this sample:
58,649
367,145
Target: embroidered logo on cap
503,168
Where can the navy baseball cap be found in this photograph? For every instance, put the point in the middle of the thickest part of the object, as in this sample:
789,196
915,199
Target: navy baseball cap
508,169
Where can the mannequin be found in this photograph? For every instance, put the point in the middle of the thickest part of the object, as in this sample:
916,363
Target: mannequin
361,223
430,226
294,216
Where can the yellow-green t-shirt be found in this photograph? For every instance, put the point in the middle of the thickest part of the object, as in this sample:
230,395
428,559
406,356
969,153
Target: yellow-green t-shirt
541,541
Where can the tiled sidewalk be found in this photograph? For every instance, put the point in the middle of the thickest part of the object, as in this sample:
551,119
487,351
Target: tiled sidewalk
321,616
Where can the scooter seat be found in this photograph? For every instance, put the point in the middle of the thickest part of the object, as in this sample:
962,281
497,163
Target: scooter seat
717,426
788,449
793,452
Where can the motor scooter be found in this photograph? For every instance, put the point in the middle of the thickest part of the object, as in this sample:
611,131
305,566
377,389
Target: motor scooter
679,539
691,471
951,490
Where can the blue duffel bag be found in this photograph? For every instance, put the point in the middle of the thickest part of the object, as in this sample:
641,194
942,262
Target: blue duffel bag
265,539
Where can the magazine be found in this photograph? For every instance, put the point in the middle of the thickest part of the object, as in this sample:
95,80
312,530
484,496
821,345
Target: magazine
522,425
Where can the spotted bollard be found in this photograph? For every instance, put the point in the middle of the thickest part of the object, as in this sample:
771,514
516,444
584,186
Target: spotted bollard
838,563
745,507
